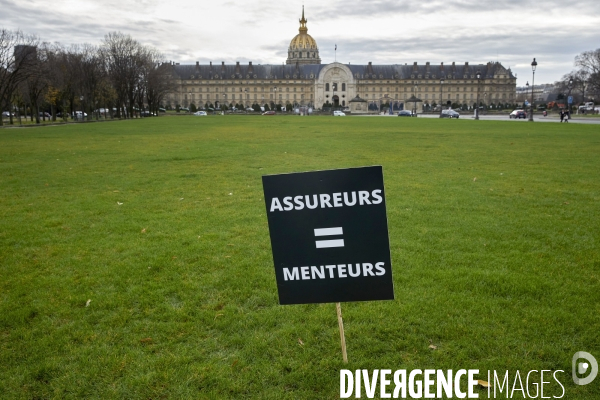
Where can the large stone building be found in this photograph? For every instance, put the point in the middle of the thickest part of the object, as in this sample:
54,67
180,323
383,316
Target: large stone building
304,81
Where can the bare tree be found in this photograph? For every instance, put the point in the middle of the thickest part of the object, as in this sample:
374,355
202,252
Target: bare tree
17,54
124,58
589,61
575,84
158,83
91,76
38,80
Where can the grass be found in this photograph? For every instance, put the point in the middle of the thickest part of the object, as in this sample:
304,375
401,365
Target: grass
494,229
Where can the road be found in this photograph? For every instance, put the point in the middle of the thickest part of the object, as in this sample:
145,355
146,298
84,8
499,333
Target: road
537,118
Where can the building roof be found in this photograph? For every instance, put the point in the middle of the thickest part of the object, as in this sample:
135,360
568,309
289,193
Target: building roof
369,71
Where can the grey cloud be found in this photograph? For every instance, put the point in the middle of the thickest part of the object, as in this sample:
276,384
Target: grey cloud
375,8
52,26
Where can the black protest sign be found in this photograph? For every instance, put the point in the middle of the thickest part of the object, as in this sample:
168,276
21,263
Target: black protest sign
329,235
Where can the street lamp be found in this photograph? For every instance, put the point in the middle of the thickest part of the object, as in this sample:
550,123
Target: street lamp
484,102
477,103
533,66
526,90
82,108
415,102
569,95
441,95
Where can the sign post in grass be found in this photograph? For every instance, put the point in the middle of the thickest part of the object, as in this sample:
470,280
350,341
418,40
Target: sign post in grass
338,308
329,237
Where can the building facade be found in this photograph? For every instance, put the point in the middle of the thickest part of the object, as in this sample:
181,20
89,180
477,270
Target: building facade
304,81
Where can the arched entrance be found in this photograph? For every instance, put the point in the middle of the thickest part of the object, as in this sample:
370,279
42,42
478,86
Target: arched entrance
336,100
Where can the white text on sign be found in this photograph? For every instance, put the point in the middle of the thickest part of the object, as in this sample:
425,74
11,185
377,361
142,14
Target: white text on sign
349,199
333,271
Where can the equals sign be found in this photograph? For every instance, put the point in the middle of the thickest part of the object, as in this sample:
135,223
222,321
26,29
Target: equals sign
322,244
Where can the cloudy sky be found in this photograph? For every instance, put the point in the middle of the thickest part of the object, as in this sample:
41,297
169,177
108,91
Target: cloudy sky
381,31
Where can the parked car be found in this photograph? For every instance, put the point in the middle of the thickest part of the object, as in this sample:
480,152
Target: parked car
405,113
200,113
160,109
250,109
338,113
6,114
269,113
44,114
517,114
449,114
184,109
148,114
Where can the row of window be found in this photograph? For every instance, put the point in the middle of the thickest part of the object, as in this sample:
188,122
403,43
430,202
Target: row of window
302,55
241,97
226,89
433,89
449,96
334,86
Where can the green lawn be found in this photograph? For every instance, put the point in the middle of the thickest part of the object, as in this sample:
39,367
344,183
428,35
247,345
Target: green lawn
159,226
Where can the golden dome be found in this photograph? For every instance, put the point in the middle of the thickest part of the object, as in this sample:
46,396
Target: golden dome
303,40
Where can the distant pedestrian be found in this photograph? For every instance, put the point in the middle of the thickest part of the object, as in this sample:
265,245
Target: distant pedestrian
567,116
562,115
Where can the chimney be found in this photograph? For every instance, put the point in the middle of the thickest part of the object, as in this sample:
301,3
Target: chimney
466,64
415,67
427,66
197,63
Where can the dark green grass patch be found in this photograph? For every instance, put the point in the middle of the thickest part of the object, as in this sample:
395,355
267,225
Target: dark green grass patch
160,224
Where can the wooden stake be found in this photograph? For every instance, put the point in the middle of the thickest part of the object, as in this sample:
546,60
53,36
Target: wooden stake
338,308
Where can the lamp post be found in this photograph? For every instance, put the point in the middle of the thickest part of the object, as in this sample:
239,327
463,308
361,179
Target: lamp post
569,95
333,87
441,95
415,102
484,102
477,103
82,108
275,98
526,91
533,66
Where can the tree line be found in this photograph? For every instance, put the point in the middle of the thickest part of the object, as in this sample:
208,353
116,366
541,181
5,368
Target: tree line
583,83
120,75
